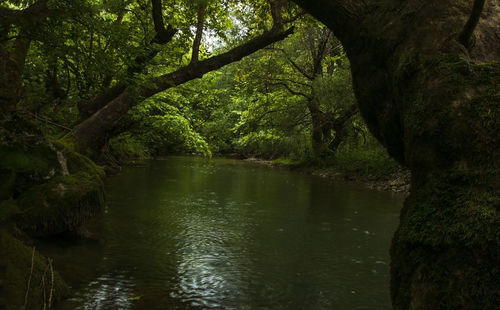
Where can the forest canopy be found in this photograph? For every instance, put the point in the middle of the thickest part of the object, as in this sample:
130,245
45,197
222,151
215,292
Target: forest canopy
120,78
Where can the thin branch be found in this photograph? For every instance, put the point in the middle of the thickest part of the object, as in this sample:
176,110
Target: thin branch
292,91
199,32
291,81
320,54
294,64
51,294
43,119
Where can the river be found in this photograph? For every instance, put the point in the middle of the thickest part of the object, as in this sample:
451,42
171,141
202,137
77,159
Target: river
194,233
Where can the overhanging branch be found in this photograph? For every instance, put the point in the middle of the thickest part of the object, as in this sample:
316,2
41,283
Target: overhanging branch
92,132
198,69
36,11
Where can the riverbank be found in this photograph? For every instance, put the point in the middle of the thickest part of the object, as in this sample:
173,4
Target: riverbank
397,182
47,190
393,180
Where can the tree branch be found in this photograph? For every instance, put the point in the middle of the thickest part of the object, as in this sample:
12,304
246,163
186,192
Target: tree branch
92,132
276,14
163,35
199,32
470,26
293,63
291,91
36,11
199,69
320,54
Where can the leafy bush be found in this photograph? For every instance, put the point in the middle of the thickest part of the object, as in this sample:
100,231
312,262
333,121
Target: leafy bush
158,129
126,147
271,143
369,159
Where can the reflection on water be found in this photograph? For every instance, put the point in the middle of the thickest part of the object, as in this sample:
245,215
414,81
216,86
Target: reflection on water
189,233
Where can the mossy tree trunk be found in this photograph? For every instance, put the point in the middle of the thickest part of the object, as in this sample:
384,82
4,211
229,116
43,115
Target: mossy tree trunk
426,75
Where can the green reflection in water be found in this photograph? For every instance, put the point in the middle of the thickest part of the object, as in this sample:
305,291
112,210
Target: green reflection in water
190,233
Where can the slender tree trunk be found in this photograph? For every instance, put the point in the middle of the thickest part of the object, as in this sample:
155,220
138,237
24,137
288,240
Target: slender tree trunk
319,130
426,75
11,69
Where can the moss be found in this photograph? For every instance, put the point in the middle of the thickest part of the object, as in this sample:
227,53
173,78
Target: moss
25,167
444,277
55,188
61,205
451,210
78,163
8,209
15,270
68,142
448,242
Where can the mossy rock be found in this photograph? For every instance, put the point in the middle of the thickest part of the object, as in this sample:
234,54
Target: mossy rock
49,188
15,270
61,205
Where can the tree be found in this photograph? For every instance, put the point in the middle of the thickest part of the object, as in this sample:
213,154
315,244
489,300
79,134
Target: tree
300,86
426,76
92,132
14,48
115,52
313,78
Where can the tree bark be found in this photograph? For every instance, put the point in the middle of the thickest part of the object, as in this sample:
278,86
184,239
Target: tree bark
195,55
434,104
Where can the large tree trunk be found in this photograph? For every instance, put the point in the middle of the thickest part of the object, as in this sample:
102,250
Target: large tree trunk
426,75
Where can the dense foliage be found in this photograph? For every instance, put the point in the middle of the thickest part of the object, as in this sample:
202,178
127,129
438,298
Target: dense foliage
291,100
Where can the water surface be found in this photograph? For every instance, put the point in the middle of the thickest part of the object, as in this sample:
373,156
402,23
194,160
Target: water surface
191,233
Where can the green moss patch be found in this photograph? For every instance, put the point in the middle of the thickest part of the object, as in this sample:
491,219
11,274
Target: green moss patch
49,188
18,267
61,205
